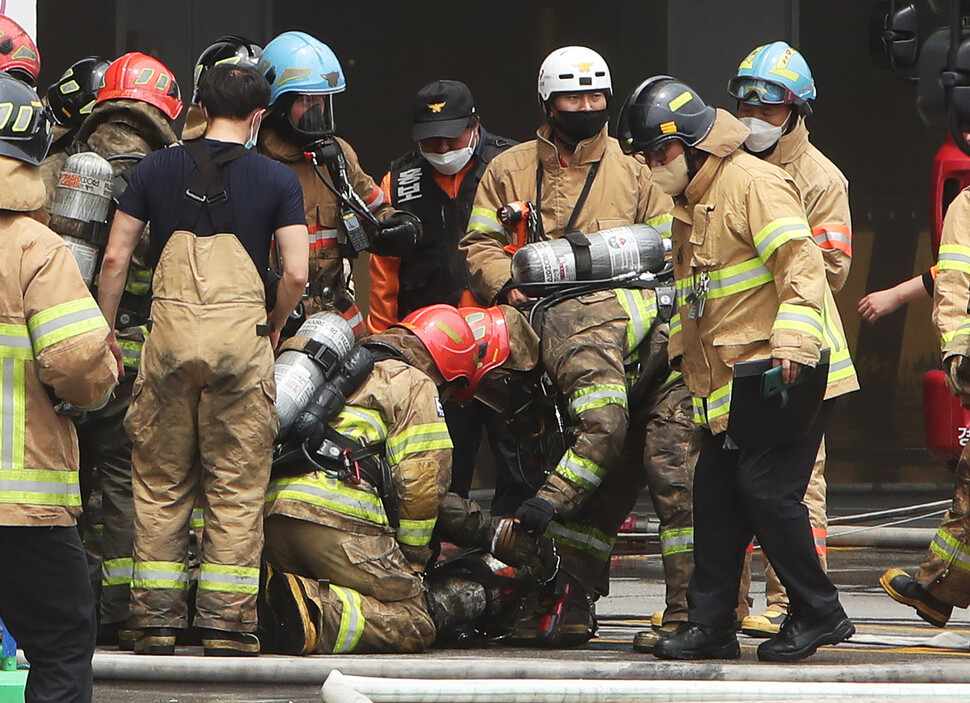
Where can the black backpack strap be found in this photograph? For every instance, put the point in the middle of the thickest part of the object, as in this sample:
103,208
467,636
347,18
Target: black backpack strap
207,192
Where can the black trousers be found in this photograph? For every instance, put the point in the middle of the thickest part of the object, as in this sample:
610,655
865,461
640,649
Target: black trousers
47,604
755,491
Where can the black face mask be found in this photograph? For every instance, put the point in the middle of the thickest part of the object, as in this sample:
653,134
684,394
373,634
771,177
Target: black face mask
581,124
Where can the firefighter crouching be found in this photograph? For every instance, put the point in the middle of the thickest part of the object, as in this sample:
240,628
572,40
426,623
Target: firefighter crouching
350,514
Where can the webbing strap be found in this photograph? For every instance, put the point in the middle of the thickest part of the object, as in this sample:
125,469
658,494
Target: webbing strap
208,193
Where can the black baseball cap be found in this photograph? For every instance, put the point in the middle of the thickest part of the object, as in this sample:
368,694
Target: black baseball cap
442,109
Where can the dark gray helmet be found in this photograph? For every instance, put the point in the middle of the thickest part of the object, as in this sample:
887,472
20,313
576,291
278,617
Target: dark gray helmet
25,133
659,109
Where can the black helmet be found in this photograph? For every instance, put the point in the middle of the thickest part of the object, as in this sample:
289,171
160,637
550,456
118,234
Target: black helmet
25,131
72,96
659,109
227,49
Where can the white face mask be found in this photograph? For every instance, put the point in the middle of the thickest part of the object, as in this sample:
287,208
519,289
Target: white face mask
451,162
672,178
764,135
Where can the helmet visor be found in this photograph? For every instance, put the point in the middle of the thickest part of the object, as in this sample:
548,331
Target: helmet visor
758,90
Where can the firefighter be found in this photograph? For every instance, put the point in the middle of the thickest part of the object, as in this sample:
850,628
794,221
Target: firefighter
228,49
70,100
942,581
304,75
347,542
751,285
774,88
437,182
54,347
131,117
202,419
586,184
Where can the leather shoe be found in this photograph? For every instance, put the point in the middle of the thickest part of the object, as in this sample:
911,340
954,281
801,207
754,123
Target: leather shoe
693,641
904,589
800,636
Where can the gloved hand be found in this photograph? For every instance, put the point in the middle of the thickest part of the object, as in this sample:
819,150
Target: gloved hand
535,514
514,547
958,374
398,235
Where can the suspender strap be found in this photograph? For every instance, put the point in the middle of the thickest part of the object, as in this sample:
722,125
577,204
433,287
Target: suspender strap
587,186
207,193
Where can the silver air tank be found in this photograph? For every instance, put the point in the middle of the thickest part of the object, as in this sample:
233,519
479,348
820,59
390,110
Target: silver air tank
595,256
82,204
309,357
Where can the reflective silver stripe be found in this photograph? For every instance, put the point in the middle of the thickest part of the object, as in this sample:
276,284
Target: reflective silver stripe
826,236
371,510
209,576
765,245
140,574
352,620
588,401
8,412
677,541
45,328
16,342
580,539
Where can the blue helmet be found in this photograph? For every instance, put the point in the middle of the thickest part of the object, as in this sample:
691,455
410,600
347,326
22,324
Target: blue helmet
774,74
295,62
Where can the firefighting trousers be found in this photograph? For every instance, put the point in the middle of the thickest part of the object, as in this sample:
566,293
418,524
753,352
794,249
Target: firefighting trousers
366,596
755,491
105,454
945,571
47,604
776,596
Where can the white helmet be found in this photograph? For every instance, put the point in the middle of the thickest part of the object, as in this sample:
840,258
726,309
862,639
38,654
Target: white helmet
573,69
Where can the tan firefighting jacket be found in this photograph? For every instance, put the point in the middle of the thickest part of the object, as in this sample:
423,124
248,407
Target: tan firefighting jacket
952,290
740,233
622,194
195,124
52,344
825,196
322,207
398,405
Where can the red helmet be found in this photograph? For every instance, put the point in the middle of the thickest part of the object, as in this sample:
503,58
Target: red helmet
492,348
443,331
140,77
19,55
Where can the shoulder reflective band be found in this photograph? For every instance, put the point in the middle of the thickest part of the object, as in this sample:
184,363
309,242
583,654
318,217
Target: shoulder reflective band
580,471
358,423
418,438
352,620
485,220
415,533
15,352
778,232
582,537
728,281
329,494
152,575
832,235
63,321
323,237
662,223
229,579
596,396
951,550
799,318
954,257
640,312
719,403
677,540
840,361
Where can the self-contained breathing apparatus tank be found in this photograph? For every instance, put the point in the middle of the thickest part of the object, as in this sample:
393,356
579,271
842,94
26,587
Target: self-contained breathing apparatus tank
82,209
309,359
588,257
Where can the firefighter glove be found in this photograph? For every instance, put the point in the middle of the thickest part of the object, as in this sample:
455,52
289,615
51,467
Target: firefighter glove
535,514
398,235
512,546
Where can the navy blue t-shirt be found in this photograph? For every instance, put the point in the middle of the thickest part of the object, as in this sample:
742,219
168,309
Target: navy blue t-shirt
263,194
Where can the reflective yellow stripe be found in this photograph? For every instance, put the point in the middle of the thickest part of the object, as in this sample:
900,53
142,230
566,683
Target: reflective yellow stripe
962,329
640,313
596,396
160,575
580,471
64,321
15,352
951,550
418,438
728,281
317,489
229,579
678,540
676,325
778,232
358,423
700,415
800,318
15,342
954,257
116,572
582,537
39,487
485,220
662,223
840,361
197,521
352,620
719,403
130,353
415,533
139,281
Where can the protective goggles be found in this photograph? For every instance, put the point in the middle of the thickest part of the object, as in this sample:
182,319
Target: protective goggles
758,90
